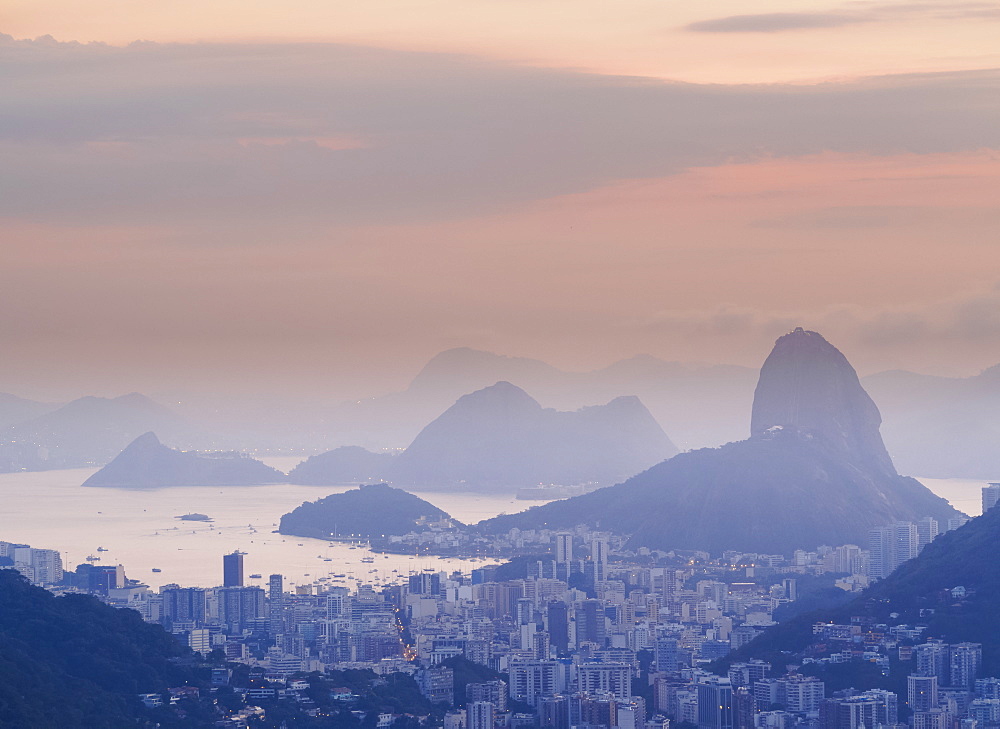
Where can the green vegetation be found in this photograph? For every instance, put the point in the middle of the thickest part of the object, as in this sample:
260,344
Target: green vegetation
73,661
918,592
369,511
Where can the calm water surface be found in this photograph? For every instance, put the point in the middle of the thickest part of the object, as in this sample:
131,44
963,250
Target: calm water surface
964,494
139,529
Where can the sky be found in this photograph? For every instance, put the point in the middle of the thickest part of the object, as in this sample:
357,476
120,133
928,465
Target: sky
312,198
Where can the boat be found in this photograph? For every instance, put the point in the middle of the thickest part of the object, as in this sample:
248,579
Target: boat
92,558
101,549
367,560
254,577
157,569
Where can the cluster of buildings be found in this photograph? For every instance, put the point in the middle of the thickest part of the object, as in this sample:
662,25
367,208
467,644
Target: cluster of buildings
584,641
41,566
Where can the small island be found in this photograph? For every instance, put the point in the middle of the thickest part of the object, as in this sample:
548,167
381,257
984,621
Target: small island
369,511
147,463
194,517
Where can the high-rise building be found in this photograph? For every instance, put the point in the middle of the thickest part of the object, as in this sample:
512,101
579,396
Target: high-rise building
590,622
931,659
456,719
239,606
789,586
767,692
890,546
437,684
100,578
232,569
744,708
524,611
40,566
861,711
557,622
425,584
599,556
988,688
596,711
183,604
927,531
275,605
956,521
715,703
534,679
337,603
200,641
803,694
665,654
922,692
965,660
564,547
611,678
991,495
986,712
746,674
553,712
631,713
480,715
849,559
540,645
932,719
494,692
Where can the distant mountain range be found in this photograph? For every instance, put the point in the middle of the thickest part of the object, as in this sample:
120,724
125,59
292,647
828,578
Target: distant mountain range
147,463
499,437
703,405
941,427
14,409
86,432
933,426
814,471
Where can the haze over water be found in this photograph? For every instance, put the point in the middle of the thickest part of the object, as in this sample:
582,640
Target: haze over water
139,528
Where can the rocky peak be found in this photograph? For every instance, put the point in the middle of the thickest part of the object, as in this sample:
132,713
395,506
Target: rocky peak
145,442
502,395
807,386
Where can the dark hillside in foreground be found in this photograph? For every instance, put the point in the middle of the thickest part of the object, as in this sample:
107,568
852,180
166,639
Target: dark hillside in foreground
964,557
75,662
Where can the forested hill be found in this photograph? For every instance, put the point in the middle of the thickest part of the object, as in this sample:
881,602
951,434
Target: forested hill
964,557
75,662
372,510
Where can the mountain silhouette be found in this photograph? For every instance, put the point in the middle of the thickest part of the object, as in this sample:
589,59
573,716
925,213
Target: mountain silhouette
814,471
499,438
147,463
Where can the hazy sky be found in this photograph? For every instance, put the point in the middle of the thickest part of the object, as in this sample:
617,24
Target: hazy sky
318,196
